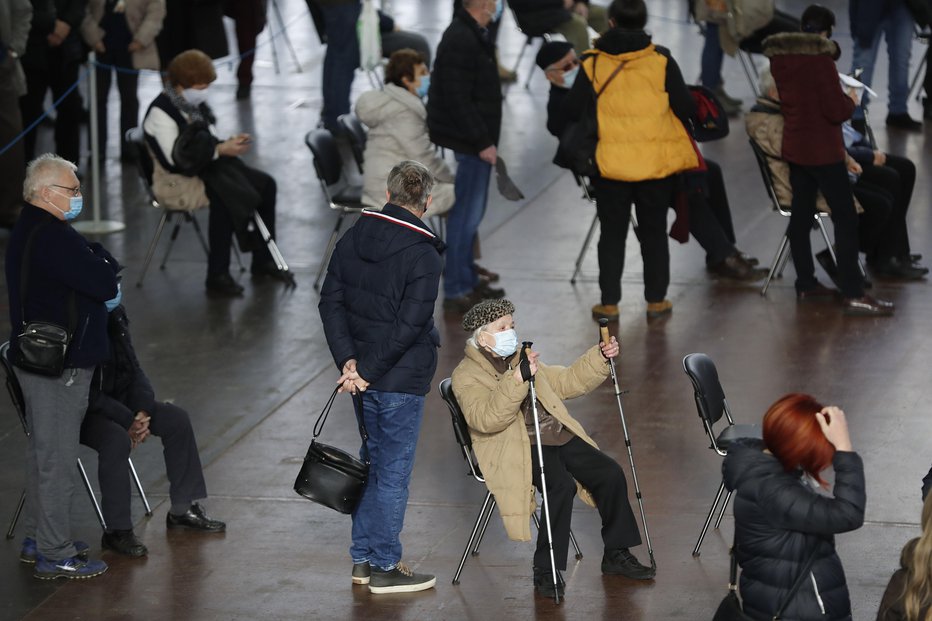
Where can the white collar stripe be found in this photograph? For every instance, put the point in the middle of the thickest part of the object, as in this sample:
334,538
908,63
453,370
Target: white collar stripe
413,227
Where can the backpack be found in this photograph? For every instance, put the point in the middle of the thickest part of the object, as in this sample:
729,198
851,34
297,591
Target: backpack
710,121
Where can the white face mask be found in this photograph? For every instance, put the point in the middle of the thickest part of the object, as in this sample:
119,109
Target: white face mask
506,342
195,96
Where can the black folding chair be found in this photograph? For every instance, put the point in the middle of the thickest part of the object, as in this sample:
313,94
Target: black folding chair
711,405
461,431
354,130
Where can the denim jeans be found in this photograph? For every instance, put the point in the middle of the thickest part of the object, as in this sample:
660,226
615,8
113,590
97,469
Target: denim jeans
897,29
393,421
472,195
712,58
340,61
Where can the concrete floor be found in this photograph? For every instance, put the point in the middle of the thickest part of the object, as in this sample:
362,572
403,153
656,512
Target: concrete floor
255,371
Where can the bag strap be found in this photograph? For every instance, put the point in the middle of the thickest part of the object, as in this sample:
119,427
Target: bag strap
610,77
25,267
357,407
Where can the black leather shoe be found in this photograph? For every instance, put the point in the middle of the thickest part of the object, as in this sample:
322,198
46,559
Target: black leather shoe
737,268
195,519
867,306
817,293
223,285
621,562
904,121
543,582
123,542
898,270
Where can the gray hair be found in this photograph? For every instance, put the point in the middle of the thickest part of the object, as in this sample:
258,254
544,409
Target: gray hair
474,339
767,83
409,185
42,172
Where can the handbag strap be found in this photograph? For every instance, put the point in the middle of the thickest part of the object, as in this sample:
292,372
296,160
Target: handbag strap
610,77
25,266
357,408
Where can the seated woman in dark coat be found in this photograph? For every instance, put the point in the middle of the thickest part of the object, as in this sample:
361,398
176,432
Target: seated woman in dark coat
781,522
180,133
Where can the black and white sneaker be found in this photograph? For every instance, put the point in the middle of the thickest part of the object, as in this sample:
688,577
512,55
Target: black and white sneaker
399,580
361,573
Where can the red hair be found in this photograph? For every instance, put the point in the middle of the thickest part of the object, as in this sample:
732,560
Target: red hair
793,435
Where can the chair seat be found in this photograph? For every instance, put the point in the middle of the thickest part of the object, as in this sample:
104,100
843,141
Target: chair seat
349,197
733,432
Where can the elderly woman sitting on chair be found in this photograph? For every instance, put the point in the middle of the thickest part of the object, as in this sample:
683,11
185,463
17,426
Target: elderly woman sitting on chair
493,395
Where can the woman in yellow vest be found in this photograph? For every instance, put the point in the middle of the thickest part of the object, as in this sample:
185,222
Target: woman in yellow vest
642,113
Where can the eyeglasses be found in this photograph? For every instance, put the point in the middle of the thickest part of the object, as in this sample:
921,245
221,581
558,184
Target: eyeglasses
566,66
75,191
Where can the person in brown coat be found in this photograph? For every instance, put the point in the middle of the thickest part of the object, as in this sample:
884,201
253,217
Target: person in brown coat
909,593
814,108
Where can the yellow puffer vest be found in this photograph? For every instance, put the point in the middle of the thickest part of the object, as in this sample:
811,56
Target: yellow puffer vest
639,136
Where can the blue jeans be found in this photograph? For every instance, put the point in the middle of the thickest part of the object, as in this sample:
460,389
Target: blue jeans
340,61
393,421
897,28
712,58
471,190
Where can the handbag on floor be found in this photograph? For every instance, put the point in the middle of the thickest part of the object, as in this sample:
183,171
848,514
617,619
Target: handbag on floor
330,476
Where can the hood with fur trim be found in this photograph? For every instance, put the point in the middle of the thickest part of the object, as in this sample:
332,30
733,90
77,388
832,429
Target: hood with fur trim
800,43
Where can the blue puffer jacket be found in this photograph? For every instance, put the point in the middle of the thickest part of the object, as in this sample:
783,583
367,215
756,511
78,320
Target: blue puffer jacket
377,302
780,521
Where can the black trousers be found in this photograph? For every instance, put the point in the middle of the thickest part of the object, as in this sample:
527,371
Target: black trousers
12,163
112,443
126,85
220,224
249,16
613,204
718,200
894,182
58,75
832,181
878,205
600,474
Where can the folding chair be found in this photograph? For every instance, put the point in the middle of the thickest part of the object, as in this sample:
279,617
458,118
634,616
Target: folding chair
19,404
329,168
461,431
354,130
923,37
711,404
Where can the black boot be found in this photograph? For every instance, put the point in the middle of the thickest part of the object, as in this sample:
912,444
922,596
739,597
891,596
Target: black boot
123,542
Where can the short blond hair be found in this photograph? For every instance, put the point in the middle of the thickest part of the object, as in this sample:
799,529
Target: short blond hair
42,171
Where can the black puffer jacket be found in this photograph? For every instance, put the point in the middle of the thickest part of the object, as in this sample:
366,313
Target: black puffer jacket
377,302
464,106
780,521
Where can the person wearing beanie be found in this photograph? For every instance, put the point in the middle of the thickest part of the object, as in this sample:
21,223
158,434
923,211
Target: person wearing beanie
490,384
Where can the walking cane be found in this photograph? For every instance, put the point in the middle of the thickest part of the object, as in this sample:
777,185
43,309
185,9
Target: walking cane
604,336
525,348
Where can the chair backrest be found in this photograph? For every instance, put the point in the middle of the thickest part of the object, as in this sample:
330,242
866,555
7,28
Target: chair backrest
763,162
144,166
354,130
13,387
710,397
327,160
460,428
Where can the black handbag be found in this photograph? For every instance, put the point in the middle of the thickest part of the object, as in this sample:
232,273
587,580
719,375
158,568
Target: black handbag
330,476
579,140
42,346
730,607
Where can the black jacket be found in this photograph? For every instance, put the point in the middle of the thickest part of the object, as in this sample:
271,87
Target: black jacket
44,15
464,106
120,388
62,261
535,17
377,302
780,521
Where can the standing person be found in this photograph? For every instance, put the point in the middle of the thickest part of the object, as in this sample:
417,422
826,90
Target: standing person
643,109
68,282
909,593
464,114
188,25
122,32
814,108
53,57
377,306
250,19
15,20
781,522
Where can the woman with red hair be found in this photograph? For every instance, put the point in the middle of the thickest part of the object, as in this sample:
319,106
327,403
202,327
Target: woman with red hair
781,519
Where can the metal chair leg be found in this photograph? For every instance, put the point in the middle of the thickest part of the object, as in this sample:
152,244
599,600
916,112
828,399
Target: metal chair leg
747,63
721,514
708,520
472,536
152,245
90,492
831,248
485,525
775,266
171,244
142,492
329,251
585,247
16,514
579,553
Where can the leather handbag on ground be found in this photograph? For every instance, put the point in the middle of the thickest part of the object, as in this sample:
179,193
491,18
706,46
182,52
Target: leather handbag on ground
330,476
42,346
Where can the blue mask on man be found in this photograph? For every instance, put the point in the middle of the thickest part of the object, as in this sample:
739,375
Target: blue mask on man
499,8
423,87
75,205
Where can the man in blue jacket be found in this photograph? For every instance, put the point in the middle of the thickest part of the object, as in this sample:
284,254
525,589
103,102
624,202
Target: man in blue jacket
377,306
68,282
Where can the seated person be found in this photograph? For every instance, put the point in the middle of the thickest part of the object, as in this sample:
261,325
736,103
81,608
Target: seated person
493,394
180,133
908,597
397,122
709,213
570,18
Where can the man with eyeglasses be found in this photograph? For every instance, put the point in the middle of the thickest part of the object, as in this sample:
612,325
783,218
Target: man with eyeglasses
54,275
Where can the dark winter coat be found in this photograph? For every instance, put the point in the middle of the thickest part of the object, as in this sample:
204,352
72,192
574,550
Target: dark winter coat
813,103
464,107
44,15
535,17
780,522
377,301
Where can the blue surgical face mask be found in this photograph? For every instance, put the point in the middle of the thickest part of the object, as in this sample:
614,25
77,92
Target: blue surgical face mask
195,96
499,8
75,204
423,87
506,342
117,299
569,77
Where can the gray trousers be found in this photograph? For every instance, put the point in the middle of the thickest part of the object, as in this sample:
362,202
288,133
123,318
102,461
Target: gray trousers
55,407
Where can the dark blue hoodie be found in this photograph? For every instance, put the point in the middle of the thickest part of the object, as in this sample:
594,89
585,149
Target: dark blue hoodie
377,302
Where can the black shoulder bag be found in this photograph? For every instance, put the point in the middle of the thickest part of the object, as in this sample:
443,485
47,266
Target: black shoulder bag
330,476
730,607
579,140
42,346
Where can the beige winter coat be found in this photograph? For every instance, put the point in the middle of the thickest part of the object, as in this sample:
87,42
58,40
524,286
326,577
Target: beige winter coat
491,404
397,122
144,18
739,19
